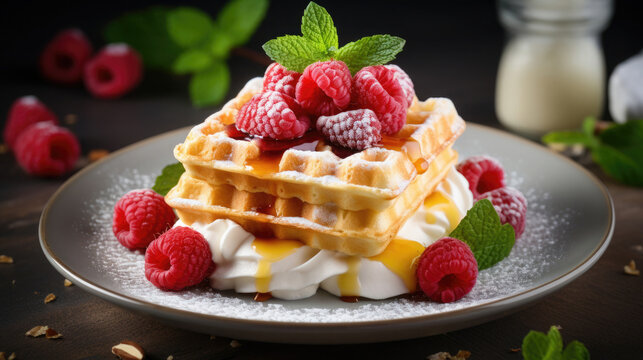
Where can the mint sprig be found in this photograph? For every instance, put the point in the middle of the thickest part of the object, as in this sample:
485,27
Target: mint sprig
319,42
489,240
186,40
538,346
371,50
618,150
168,179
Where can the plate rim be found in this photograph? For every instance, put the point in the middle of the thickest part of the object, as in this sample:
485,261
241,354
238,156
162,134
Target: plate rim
127,301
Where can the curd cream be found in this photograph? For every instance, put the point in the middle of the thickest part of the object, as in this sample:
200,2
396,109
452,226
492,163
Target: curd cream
289,269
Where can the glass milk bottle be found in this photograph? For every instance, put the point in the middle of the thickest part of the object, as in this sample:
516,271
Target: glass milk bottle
551,74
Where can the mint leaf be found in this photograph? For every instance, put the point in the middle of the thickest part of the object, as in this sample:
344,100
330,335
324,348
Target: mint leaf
621,155
208,87
318,26
294,52
625,168
618,150
220,43
569,138
192,61
240,18
575,351
168,179
589,124
367,51
146,31
538,346
489,240
534,346
188,26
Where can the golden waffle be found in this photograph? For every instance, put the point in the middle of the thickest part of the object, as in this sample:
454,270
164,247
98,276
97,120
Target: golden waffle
365,232
370,179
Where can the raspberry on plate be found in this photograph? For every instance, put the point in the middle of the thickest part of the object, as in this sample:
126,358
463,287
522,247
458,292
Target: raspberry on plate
179,258
280,79
447,270
114,71
356,129
273,115
139,217
511,206
25,112
377,88
64,57
325,88
483,173
405,82
45,149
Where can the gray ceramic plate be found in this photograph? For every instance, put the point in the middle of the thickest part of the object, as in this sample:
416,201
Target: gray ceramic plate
570,223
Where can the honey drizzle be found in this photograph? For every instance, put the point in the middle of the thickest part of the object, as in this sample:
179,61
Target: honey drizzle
400,256
271,251
348,282
438,202
408,146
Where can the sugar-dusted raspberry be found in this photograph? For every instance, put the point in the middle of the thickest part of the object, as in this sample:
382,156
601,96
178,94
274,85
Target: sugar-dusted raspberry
483,173
45,149
511,206
405,82
447,270
179,258
64,57
139,217
280,79
25,112
355,129
377,88
325,88
114,71
274,115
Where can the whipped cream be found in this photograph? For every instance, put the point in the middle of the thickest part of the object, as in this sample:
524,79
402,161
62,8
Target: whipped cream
289,269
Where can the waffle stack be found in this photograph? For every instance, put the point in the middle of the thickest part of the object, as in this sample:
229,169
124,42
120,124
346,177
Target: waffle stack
354,205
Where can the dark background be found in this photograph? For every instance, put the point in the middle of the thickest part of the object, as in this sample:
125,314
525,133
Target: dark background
452,50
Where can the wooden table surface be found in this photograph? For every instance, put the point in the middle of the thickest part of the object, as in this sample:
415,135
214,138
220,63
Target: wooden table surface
451,51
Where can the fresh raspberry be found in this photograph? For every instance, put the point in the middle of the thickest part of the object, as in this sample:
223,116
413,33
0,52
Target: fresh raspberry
405,82
280,79
139,217
447,270
355,129
274,115
483,173
179,258
45,149
64,58
325,88
511,206
376,88
24,112
113,72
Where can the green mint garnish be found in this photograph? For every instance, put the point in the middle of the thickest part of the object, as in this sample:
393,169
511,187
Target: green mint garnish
189,26
294,52
538,346
210,85
318,26
186,40
489,240
168,179
618,150
371,50
319,43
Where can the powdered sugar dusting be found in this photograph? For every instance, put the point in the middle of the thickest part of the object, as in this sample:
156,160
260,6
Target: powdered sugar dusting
530,259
